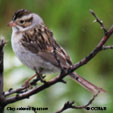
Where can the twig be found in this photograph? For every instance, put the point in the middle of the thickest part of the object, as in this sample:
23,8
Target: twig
107,47
69,105
14,91
94,52
21,89
99,21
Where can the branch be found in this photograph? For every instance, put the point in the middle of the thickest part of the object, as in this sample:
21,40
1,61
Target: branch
12,91
69,105
107,47
2,43
99,21
94,52
22,89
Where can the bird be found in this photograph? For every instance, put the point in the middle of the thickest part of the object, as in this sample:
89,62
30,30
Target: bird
32,42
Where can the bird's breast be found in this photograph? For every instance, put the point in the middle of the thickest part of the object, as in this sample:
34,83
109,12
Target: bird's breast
32,60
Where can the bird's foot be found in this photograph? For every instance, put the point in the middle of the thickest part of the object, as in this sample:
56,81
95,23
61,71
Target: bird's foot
41,78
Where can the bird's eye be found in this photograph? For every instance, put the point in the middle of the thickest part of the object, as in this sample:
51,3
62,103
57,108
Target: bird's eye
21,21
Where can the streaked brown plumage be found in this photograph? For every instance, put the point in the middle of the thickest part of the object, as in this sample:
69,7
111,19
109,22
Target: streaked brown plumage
39,40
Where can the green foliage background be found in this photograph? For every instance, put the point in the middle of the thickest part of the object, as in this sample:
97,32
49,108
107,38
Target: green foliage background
74,29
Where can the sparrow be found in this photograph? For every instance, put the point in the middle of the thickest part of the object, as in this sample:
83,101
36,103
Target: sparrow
32,42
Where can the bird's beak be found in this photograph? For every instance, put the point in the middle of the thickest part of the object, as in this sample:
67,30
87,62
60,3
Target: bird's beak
12,24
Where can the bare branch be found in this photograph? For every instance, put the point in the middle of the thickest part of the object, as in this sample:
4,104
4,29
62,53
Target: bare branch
94,51
107,47
22,89
9,92
66,106
2,98
69,105
99,21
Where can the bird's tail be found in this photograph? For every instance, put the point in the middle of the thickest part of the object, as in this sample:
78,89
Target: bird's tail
86,84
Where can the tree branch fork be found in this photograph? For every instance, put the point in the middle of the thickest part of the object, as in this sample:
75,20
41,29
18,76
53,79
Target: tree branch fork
22,92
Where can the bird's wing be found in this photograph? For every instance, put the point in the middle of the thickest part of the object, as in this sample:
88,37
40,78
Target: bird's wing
40,41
